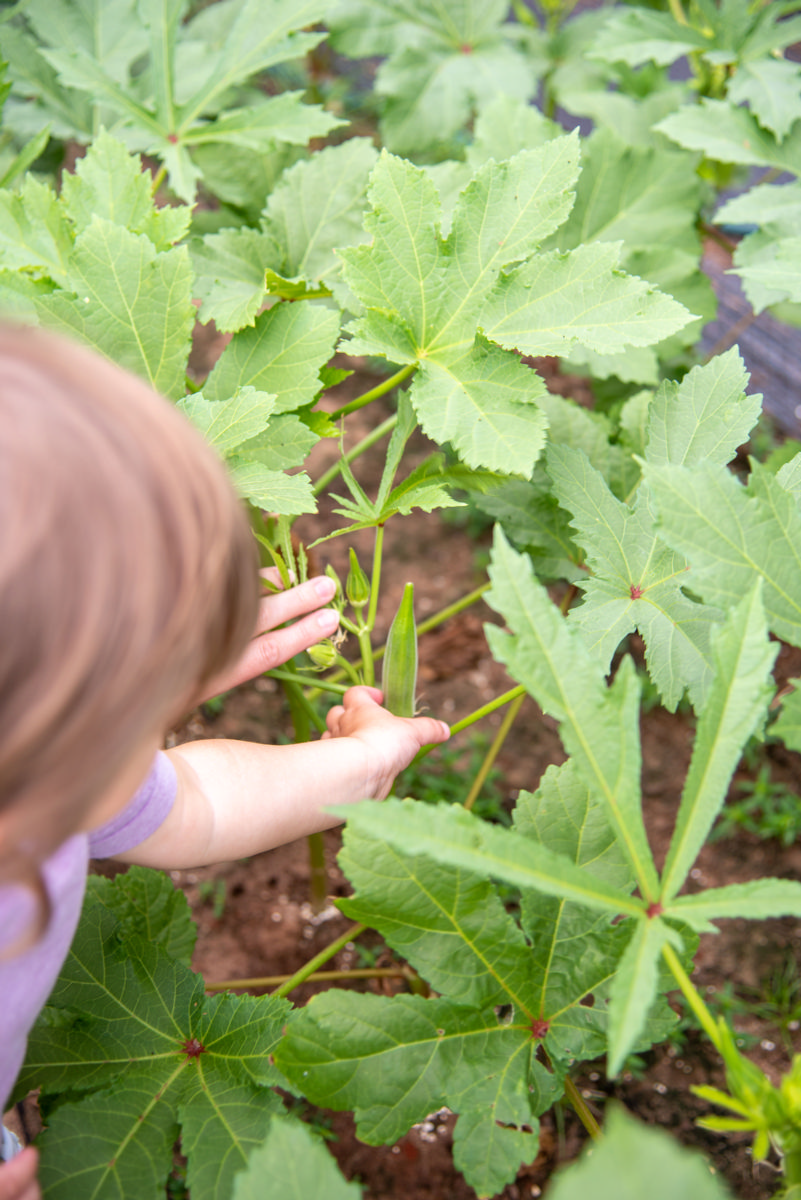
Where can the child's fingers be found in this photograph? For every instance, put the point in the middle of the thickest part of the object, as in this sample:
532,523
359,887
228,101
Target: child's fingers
294,602
357,696
429,731
18,1177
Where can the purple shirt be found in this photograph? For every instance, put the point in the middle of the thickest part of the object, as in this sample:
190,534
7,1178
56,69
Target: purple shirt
27,980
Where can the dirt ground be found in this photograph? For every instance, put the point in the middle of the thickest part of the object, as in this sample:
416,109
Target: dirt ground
255,919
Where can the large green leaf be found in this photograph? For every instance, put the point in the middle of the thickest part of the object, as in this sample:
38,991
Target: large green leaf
634,988
736,704
148,905
731,135
393,1061
757,900
771,87
581,297
297,1166
731,534
129,301
123,1010
282,353
441,63
637,35
636,582
34,233
631,1161
598,724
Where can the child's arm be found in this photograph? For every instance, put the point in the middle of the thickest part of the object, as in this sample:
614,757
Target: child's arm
239,798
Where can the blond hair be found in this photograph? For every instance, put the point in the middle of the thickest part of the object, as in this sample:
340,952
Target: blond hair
128,577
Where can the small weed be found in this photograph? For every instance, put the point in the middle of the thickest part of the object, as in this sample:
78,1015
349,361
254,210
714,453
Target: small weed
215,893
768,809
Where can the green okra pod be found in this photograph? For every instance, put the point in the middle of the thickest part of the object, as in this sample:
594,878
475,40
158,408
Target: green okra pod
399,673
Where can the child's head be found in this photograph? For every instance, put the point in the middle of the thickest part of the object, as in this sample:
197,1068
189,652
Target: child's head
127,579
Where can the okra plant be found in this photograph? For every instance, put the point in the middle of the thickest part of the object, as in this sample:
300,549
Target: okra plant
499,238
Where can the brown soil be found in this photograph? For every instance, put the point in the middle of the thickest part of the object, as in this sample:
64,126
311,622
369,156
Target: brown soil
264,926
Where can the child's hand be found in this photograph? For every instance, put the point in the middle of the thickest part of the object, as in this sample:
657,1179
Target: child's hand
391,742
271,646
18,1177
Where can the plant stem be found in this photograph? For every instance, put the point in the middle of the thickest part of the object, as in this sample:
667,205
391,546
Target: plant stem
582,1111
323,685
677,12
158,179
692,995
381,389
303,713
368,662
312,965
494,750
223,985
369,440
484,711
425,626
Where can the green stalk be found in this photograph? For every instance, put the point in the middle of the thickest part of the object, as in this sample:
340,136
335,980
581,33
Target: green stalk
692,995
319,959
303,714
484,711
425,626
369,440
494,750
158,179
323,685
677,12
224,985
581,1110
349,669
380,390
368,658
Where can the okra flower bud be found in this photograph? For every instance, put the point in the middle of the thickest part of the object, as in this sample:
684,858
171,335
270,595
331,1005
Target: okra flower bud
357,585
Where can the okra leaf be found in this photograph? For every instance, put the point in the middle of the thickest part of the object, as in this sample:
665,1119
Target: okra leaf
393,1061
771,87
454,836
731,534
635,584
270,489
123,1008
109,182
317,207
531,518
226,424
633,1160
705,417
447,922
765,204
440,65
34,233
128,301
281,353
736,704
768,267
599,725
788,725
634,988
230,275
756,900
637,36
285,443
556,301
731,134
297,1165
147,904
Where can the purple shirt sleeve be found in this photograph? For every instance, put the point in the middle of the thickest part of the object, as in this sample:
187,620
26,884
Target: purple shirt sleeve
142,816
27,979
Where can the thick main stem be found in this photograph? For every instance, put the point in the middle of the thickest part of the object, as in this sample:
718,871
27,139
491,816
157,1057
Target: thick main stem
494,750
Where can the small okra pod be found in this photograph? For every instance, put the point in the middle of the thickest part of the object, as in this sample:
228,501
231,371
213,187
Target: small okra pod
323,654
399,673
357,585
